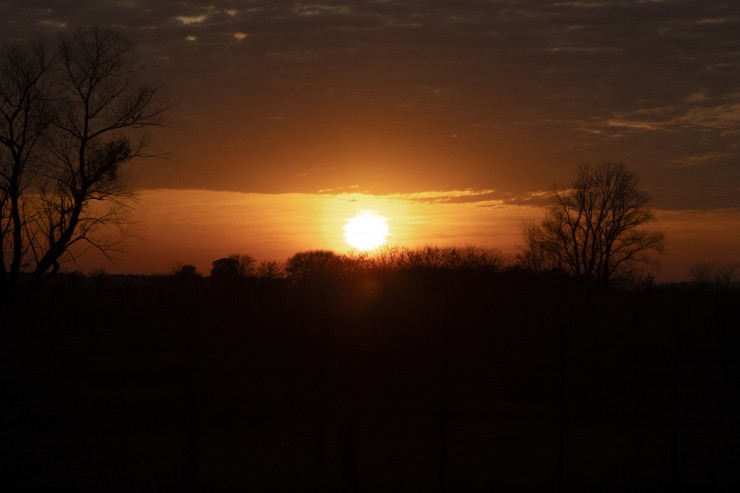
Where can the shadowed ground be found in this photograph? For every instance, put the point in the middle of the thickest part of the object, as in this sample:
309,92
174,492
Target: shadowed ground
390,382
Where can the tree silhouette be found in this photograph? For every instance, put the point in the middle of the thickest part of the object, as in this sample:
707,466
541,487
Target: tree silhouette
270,269
245,264
719,275
186,272
314,264
72,112
233,268
593,229
532,254
225,271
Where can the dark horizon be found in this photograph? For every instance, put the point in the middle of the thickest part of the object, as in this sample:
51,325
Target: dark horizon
396,381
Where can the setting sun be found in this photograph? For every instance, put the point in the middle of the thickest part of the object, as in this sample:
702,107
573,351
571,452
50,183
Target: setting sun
366,231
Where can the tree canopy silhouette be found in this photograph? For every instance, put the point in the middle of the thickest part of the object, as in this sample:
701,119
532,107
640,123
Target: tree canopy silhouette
594,228
72,112
314,264
232,269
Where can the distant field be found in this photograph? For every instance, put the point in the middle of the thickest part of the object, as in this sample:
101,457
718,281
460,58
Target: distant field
401,381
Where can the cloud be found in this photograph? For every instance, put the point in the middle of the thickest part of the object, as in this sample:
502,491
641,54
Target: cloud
722,117
192,19
530,88
701,159
450,196
53,24
340,190
533,199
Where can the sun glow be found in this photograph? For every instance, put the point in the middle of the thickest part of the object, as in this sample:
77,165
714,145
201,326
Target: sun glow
366,230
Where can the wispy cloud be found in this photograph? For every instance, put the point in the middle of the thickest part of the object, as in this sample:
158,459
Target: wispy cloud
339,190
691,113
450,196
191,19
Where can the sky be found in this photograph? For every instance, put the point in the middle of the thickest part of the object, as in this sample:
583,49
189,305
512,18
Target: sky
466,108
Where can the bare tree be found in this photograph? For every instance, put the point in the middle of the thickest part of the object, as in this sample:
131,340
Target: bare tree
389,258
246,264
532,254
702,274
726,274
68,124
270,269
594,229
716,274
24,105
232,269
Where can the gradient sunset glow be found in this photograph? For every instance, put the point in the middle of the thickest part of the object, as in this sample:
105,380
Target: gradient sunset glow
275,226
452,122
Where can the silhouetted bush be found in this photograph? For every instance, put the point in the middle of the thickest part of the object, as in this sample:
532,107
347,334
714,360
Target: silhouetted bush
715,275
270,269
245,264
225,271
462,259
187,271
315,264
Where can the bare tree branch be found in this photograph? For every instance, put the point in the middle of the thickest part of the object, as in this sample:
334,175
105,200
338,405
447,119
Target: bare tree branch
593,229
72,114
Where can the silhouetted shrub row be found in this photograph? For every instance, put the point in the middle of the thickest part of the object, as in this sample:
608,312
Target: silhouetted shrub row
326,264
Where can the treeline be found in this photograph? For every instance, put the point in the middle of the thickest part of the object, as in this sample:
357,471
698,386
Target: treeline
326,264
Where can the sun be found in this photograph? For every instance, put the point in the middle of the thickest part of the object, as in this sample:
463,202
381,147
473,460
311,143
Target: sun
366,230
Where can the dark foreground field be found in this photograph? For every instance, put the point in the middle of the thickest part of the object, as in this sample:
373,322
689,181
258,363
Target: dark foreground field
387,382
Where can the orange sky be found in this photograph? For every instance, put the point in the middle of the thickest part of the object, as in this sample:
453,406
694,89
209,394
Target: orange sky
287,108
196,226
